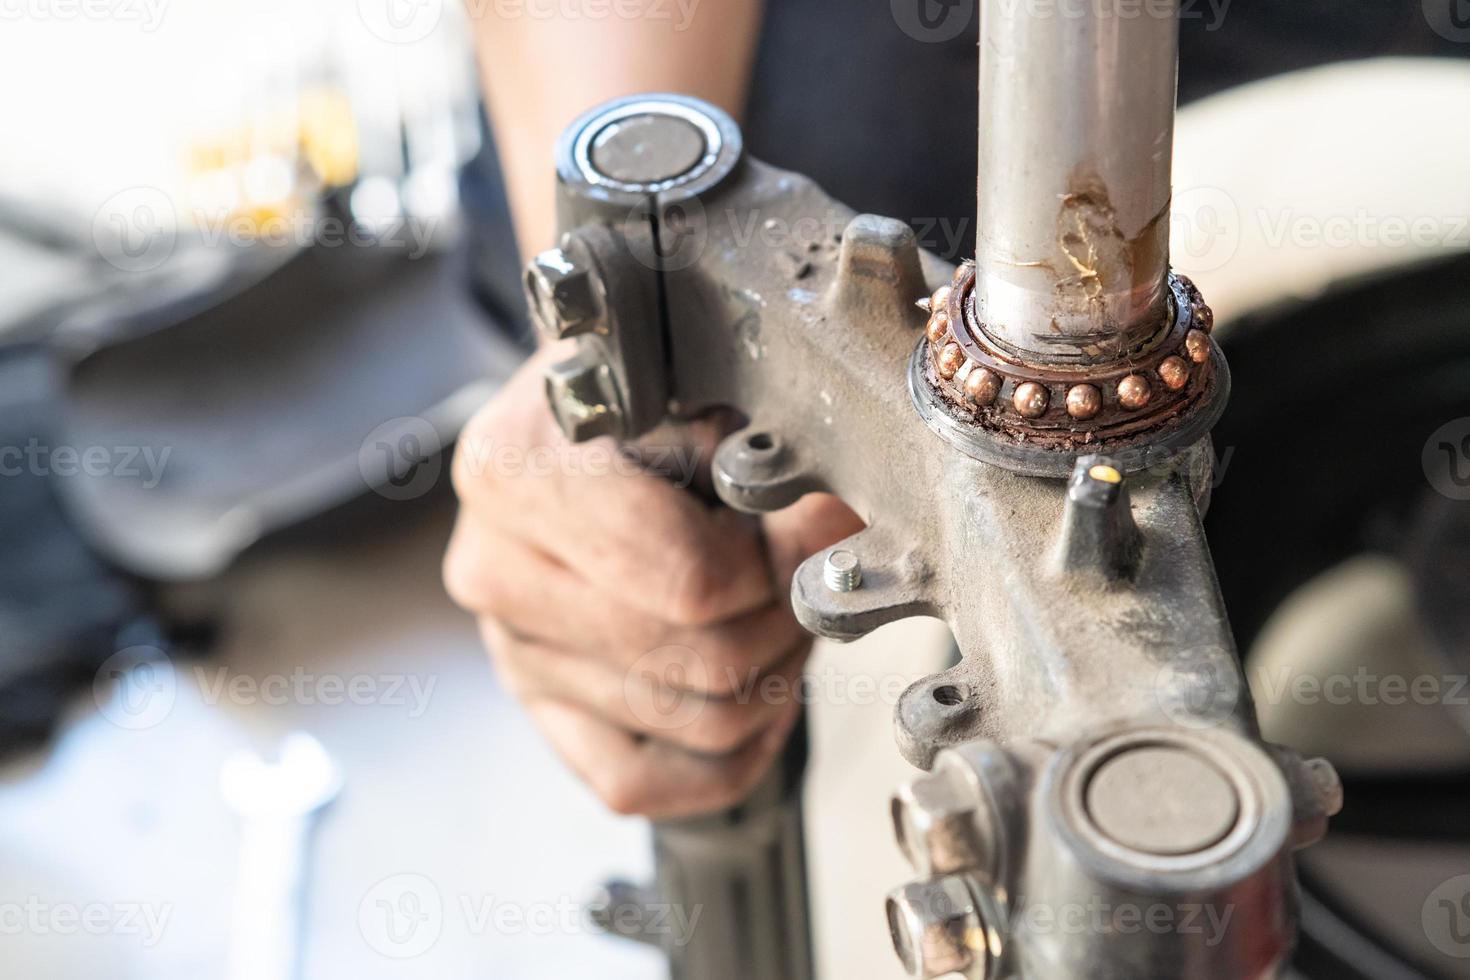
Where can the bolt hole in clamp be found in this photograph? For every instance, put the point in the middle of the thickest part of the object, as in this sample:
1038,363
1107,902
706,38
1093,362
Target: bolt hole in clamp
1097,787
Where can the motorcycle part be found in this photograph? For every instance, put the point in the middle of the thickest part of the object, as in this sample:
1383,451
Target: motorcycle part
1095,748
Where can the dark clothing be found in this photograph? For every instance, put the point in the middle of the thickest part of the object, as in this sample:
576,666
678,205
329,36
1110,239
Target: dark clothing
878,117
842,94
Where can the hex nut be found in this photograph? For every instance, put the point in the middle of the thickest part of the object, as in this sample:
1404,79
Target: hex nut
583,398
936,928
943,826
565,294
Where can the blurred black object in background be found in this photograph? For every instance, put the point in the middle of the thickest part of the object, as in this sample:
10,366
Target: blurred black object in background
916,88
343,370
1388,360
236,391
62,611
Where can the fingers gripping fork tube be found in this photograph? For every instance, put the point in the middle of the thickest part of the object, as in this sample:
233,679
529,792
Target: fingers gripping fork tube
1028,445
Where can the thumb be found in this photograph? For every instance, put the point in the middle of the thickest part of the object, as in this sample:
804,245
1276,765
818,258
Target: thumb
815,522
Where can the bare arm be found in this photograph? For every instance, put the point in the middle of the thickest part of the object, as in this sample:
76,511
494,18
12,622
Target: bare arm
546,61
637,624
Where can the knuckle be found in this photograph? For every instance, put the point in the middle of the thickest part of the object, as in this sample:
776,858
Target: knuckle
724,677
620,792
723,733
513,680
458,581
475,442
693,592
464,572
461,473
694,666
738,666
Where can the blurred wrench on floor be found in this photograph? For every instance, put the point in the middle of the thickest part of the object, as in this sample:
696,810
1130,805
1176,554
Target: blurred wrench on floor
278,804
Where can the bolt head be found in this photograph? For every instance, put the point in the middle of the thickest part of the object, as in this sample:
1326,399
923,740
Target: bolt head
565,294
936,928
943,826
582,394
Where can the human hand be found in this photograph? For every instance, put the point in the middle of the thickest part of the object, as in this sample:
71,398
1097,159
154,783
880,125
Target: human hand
641,626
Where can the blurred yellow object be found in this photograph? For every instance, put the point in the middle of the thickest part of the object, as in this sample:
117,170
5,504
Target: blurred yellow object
328,136
257,177
281,223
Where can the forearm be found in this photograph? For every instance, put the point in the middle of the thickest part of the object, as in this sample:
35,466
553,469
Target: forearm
544,62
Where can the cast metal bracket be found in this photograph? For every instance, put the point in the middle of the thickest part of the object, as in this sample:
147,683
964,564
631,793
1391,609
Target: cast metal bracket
1096,743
